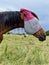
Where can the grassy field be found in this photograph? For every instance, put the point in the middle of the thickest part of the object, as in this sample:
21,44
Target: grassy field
17,50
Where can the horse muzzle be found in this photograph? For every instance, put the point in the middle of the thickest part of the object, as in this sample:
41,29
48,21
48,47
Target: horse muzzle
42,37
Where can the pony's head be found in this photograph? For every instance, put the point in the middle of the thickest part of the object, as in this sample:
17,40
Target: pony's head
40,34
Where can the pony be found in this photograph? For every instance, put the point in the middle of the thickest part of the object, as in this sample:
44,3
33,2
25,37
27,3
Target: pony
10,20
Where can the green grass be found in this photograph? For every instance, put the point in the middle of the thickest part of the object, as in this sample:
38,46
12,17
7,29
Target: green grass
17,50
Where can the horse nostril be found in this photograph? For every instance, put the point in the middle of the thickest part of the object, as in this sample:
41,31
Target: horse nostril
42,37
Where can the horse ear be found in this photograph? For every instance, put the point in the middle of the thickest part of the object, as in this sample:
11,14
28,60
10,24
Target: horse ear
34,14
